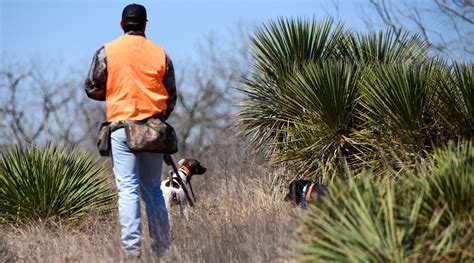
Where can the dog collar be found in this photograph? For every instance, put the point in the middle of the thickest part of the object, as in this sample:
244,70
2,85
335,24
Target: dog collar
185,169
308,193
303,197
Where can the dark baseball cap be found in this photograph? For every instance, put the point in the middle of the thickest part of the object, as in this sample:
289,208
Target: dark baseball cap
134,13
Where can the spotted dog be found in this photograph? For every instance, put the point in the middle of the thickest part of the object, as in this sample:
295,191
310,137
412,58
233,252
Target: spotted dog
173,192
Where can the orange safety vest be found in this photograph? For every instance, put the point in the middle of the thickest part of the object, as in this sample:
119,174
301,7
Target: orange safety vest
135,70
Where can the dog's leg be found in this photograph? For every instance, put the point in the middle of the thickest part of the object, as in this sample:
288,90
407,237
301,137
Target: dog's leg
185,212
183,206
167,196
168,204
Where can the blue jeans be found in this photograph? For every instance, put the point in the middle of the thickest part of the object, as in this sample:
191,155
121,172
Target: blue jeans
139,173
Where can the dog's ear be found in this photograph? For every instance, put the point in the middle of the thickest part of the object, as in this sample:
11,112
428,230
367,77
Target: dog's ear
200,169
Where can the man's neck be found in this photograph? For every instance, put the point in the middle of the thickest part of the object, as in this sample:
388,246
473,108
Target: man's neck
135,33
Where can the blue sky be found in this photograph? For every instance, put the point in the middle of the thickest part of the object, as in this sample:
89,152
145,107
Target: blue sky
70,31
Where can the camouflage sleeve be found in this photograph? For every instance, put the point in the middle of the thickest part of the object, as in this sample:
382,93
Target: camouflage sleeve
170,85
95,85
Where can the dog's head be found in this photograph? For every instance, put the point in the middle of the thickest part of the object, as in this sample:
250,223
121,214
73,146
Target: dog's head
295,191
192,166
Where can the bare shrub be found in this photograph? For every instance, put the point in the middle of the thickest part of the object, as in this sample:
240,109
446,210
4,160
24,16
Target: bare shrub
446,25
41,103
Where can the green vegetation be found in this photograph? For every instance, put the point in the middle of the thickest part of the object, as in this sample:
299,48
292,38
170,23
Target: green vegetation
427,217
50,183
321,96
389,126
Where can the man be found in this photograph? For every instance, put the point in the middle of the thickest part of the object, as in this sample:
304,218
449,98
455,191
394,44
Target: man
135,77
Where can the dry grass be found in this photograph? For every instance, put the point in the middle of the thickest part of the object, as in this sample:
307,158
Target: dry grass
235,220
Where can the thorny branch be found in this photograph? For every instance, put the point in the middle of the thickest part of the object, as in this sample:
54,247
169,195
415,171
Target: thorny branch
448,26
206,94
38,107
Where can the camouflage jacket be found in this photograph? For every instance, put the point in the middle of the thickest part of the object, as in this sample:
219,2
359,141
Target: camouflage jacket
95,84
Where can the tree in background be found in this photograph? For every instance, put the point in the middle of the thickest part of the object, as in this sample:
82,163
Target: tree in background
446,25
207,91
42,104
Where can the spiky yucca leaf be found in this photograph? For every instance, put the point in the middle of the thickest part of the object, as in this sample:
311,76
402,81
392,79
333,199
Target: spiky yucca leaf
280,47
423,217
320,104
50,183
364,220
397,100
448,180
387,47
285,44
456,94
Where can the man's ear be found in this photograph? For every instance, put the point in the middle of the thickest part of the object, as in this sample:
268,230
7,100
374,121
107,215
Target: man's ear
121,24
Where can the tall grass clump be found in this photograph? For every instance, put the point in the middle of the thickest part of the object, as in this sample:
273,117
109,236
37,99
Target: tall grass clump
50,183
428,217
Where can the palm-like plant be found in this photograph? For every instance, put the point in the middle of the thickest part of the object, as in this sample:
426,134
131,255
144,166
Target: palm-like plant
368,220
448,181
387,47
456,94
362,221
50,183
279,48
301,102
397,100
320,103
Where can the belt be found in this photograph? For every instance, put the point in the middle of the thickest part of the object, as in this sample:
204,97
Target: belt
115,125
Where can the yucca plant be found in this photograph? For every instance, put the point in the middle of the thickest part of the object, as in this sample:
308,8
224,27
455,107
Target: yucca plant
369,221
280,47
397,101
320,104
448,180
362,221
51,183
424,217
389,47
299,103
456,95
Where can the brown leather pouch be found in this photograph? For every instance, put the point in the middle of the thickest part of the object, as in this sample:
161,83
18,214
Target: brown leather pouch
103,140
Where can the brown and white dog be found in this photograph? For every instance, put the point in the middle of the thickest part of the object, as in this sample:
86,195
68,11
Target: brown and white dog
173,192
